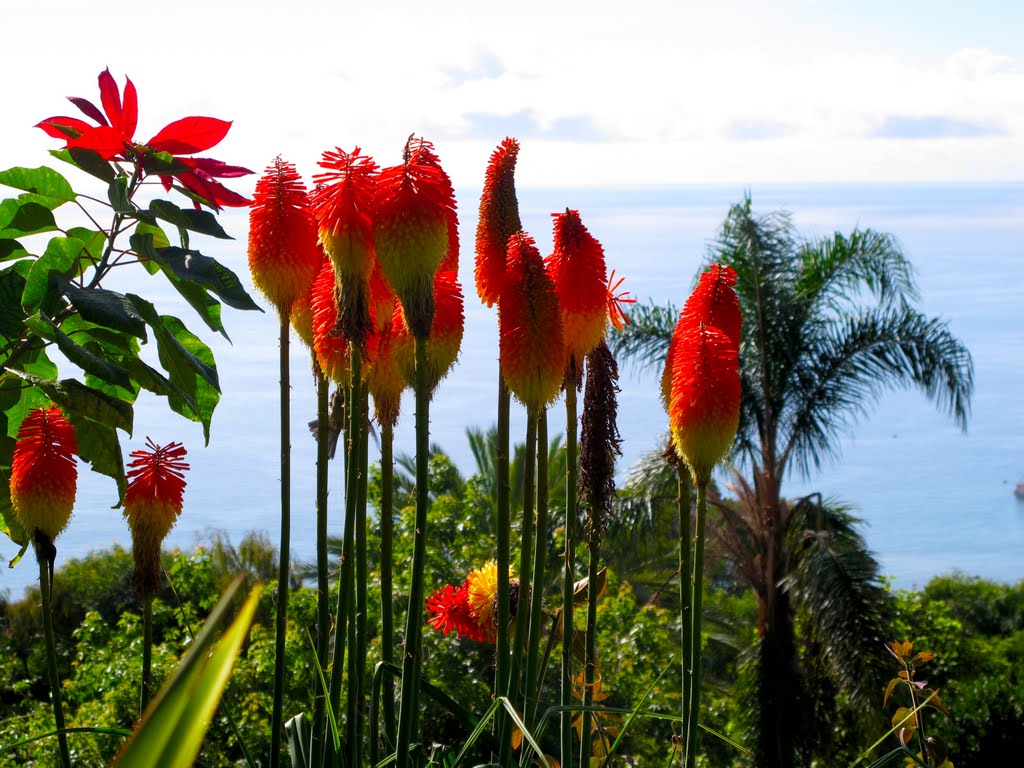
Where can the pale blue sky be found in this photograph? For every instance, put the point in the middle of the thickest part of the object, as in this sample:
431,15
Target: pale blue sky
647,92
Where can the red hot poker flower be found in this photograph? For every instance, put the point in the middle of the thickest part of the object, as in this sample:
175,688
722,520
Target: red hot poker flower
43,472
414,204
445,338
331,349
531,345
499,220
704,410
152,504
423,151
578,271
384,379
284,256
113,138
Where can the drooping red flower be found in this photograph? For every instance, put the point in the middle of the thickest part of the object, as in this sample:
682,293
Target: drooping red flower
704,410
152,504
449,611
113,138
616,314
499,220
445,339
413,204
577,269
531,345
331,348
43,472
284,256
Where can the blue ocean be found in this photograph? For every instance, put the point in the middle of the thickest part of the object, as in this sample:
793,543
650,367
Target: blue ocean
932,499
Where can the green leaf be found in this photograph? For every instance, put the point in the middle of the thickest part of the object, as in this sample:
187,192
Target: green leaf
189,362
11,249
98,445
75,398
12,285
207,307
117,193
93,242
173,727
48,187
60,257
159,240
197,268
88,361
105,307
203,222
21,217
87,160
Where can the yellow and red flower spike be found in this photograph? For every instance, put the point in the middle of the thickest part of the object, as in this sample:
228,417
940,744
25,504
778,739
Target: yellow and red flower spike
424,152
482,588
343,207
714,302
44,475
499,220
331,349
530,341
302,309
445,338
413,205
284,256
616,313
384,379
704,410
152,504
449,611
578,271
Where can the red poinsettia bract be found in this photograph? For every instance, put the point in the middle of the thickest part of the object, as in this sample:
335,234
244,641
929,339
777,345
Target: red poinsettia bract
43,472
113,138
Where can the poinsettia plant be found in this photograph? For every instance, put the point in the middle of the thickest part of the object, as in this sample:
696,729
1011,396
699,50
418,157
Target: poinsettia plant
56,303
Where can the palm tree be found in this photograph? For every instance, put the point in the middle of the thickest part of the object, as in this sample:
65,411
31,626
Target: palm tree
828,326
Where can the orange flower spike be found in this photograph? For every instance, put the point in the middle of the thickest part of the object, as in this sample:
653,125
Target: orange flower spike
283,251
577,268
152,504
384,379
413,204
330,349
704,412
382,297
616,314
302,310
423,152
446,332
499,220
531,345
343,207
714,302
43,472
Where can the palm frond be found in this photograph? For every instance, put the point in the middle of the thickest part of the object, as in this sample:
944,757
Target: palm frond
644,341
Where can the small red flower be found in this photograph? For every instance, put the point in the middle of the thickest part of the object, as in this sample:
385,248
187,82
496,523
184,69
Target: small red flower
113,138
43,472
530,344
284,256
449,612
578,271
616,314
499,220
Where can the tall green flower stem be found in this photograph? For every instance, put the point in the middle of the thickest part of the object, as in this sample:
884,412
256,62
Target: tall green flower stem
323,608
590,663
43,547
540,552
569,579
685,592
342,615
504,536
387,533
525,571
357,686
696,602
408,713
276,728
147,651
